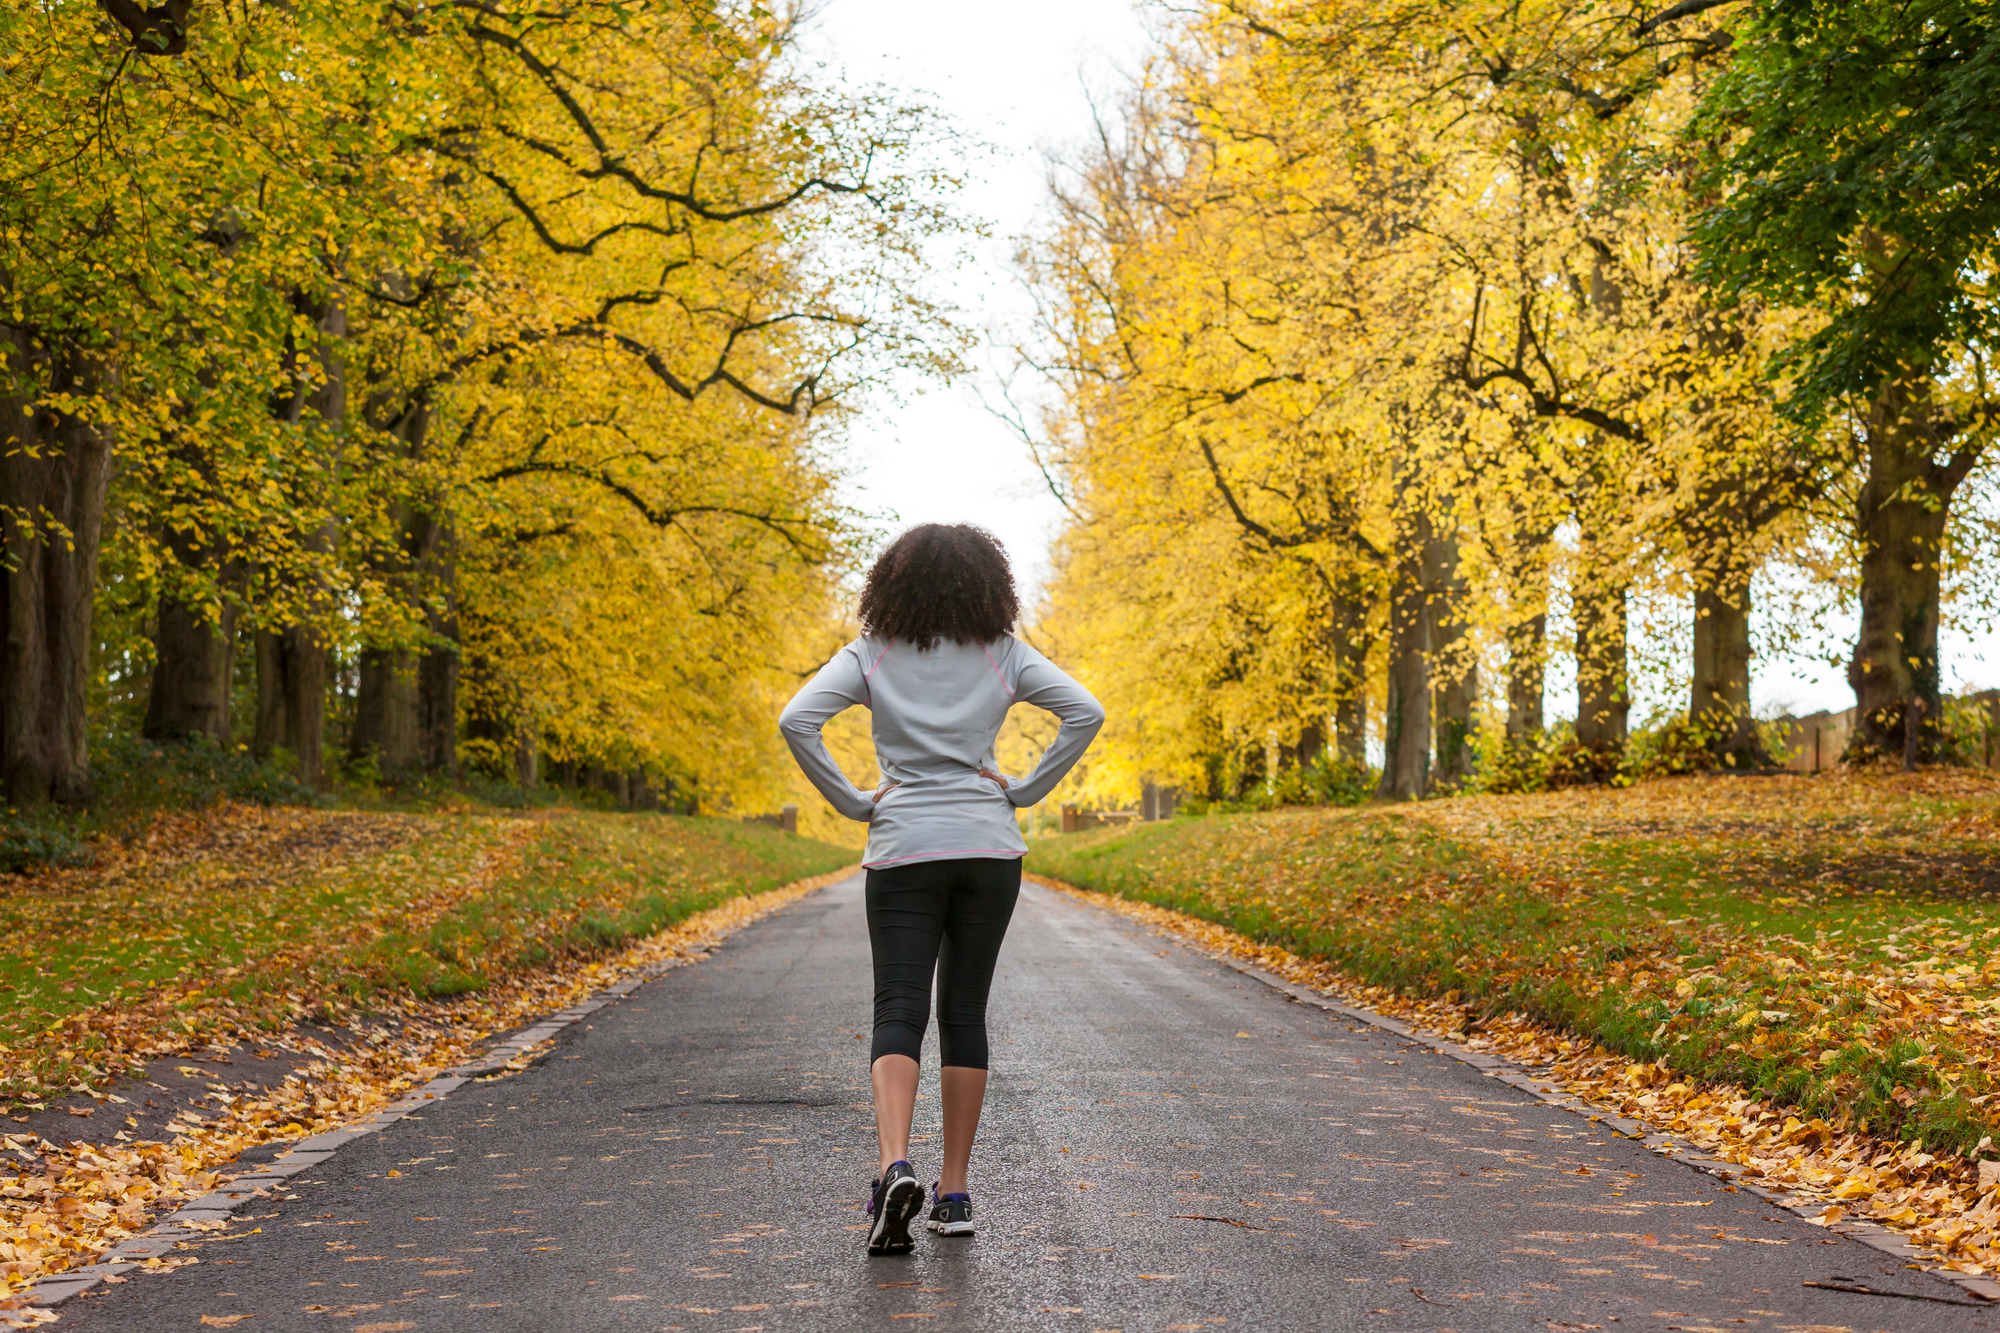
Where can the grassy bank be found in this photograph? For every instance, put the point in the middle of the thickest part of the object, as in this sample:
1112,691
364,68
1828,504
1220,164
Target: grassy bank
1828,943
244,918
245,976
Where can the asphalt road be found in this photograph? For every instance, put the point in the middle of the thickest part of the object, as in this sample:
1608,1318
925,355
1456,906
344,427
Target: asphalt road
1168,1145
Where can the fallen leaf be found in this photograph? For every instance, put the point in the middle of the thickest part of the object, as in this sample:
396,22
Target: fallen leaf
225,1320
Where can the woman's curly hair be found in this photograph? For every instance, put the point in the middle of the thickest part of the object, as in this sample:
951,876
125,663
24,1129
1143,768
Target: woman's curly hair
941,581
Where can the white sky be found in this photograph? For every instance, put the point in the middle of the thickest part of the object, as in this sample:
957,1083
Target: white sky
1016,76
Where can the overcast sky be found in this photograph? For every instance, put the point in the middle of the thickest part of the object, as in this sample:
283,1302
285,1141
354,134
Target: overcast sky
1016,76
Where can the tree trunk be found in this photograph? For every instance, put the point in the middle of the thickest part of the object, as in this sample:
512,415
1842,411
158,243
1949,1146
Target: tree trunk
1720,698
437,710
1453,707
1603,694
293,664
1527,669
1454,671
1901,516
194,654
1527,633
193,659
291,699
1350,644
385,711
1406,742
407,709
524,756
54,471
1598,592
437,676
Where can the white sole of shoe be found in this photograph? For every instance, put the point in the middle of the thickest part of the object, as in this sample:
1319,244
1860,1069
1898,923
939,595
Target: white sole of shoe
903,1200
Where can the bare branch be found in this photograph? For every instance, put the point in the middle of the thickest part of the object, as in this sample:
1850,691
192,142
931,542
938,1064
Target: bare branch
1685,9
159,31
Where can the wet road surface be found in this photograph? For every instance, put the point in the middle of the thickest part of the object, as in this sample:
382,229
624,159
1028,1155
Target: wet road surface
1168,1145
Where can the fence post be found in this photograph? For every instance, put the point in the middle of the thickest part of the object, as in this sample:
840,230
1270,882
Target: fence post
788,819
1069,824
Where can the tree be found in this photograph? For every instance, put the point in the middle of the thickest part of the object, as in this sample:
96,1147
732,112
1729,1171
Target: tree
1418,274
1856,141
336,318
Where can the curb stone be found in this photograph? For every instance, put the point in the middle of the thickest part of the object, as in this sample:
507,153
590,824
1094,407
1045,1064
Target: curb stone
1543,1086
254,1184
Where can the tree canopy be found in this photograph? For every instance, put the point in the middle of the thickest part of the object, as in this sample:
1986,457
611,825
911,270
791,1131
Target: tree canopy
1387,337
455,377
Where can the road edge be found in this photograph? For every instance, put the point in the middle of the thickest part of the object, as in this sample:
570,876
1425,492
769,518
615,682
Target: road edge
510,1054
1539,1084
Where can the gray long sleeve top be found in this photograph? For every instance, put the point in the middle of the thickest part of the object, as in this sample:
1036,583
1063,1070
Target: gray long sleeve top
936,714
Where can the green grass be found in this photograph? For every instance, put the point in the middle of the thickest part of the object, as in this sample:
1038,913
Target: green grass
590,883
261,917
1802,941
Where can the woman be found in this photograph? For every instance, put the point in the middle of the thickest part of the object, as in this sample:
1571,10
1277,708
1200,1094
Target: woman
938,670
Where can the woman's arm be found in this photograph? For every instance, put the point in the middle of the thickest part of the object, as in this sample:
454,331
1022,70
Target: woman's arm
1045,685
840,685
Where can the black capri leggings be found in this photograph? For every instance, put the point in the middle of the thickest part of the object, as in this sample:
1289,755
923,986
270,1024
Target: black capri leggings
942,916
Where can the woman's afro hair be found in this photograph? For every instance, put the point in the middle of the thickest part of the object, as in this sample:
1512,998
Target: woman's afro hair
941,581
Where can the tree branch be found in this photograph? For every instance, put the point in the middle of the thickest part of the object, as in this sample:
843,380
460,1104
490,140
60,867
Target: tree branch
656,516
1248,523
608,164
1685,9
159,31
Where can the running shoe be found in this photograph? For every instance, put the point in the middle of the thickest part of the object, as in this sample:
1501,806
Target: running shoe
898,1196
951,1214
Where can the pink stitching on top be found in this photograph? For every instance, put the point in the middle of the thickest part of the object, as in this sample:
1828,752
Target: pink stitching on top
996,671
878,662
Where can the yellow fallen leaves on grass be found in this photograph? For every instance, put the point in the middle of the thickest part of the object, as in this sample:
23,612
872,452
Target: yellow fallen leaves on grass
64,1205
1833,942
241,915
1950,1205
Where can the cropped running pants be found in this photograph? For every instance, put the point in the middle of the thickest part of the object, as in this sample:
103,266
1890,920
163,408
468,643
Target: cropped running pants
946,917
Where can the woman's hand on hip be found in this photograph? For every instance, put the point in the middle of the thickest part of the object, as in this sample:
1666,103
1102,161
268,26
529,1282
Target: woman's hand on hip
996,777
883,790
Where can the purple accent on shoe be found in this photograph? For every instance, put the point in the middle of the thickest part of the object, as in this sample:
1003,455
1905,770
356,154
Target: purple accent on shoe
876,1184
954,1198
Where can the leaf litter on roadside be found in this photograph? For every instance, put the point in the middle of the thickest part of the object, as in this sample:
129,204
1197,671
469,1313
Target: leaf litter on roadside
1948,1203
62,1204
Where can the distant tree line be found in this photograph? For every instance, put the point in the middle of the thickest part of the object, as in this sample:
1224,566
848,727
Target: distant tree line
1386,331
413,387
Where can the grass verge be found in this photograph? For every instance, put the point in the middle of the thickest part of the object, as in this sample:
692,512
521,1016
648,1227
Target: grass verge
1825,943
247,919
340,956
1948,1205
